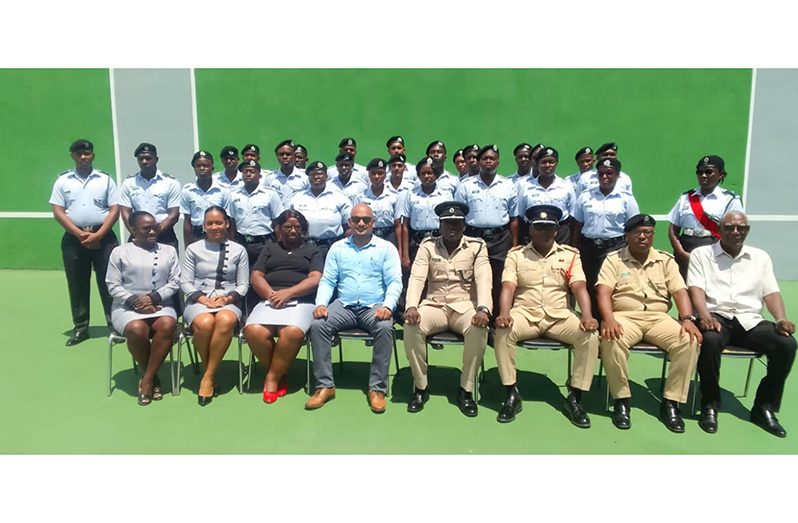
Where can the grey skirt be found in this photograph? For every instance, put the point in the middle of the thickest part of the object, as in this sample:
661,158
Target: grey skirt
193,310
296,314
120,317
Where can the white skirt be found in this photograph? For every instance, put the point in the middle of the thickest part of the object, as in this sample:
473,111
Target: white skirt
193,310
120,317
297,314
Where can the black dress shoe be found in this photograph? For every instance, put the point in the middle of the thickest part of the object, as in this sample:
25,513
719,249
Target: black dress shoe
670,416
708,420
77,337
620,414
465,400
766,419
204,400
575,412
512,406
418,400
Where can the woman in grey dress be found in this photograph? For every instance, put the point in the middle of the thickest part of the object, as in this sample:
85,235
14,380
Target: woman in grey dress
215,279
285,276
143,276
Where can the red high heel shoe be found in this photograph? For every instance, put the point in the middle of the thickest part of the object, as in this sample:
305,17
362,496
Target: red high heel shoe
282,387
270,397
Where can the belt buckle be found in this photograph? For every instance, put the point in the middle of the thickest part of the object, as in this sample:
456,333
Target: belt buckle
248,238
87,228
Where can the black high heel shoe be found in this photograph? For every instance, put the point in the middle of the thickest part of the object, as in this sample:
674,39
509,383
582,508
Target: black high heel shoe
204,400
144,399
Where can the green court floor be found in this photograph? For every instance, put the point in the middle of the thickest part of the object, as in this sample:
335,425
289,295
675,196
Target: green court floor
54,401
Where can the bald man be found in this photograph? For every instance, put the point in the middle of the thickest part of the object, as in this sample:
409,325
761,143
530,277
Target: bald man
730,283
366,271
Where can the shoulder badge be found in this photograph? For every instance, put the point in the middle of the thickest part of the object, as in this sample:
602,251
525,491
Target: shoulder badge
65,172
568,247
689,192
167,175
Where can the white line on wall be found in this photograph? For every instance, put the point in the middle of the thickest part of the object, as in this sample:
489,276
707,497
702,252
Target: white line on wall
194,109
117,160
748,144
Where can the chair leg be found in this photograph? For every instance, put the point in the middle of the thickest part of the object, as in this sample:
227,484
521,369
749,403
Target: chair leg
192,356
172,372
481,377
240,369
748,377
662,382
693,411
180,339
568,369
251,369
308,387
110,364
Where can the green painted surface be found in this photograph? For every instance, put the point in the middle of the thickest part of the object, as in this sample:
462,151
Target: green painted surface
42,113
60,406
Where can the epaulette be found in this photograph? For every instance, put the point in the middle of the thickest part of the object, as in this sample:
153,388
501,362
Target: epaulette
517,248
167,175
473,239
568,247
188,185
132,175
688,192
666,253
102,172
428,239
65,172
730,193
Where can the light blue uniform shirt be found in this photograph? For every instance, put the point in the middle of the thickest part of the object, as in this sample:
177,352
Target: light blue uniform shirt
419,207
352,189
286,186
715,205
364,276
588,180
194,201
359,173
560,194
326,213
86,200
385,206
448,182
156,196
488,206
604,216
224,182
405,186
254,211
515,177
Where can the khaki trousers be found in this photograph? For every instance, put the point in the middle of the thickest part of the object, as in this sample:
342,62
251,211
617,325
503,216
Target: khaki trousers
585,344
661,330
440,319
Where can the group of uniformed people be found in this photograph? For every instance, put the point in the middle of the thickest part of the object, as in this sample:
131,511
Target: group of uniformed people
510,253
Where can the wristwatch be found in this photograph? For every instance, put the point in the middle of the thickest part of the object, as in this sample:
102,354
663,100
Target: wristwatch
484,309
690,317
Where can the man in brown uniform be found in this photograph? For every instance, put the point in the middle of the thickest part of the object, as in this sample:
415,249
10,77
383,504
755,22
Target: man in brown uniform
538,275
457,272
634,292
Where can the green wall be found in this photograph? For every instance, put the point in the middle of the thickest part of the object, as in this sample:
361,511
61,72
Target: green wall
42,112
663,120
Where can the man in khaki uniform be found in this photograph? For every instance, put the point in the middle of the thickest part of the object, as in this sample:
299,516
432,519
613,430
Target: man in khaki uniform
538,275
457,272
634,292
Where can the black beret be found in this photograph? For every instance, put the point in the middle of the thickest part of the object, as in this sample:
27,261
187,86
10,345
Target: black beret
538,146
250,163
289,143
376,163
397,158
544,214
300,147
344,157
315,166
393,139
347,141
607,147
583,150
713,160
638,220
250,147
436,143
451,210
201,154
228,151
424,161
473,147
145,148
458,152
547,151
492,147
615,163
80,146
521,146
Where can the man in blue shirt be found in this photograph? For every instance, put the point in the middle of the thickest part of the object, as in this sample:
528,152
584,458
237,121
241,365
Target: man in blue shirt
365,270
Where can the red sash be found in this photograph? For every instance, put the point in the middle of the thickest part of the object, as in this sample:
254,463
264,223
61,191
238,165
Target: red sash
701,216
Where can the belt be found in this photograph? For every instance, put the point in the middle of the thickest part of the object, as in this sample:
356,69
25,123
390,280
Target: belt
696,233
604,242
323,242
90,228
486,231
383,231
248,238
196,230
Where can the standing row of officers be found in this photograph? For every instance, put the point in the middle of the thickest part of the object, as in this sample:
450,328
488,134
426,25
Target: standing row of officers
475,261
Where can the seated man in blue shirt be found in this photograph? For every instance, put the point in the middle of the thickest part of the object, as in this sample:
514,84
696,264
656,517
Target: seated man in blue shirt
366,271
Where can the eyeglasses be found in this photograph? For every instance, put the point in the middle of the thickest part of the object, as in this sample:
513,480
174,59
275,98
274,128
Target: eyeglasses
648,233
365,219
287,227
727,227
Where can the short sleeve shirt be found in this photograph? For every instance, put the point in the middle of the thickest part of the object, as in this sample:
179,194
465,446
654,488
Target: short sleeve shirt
85,200
156,195
194,201
641,287
715,205
488,205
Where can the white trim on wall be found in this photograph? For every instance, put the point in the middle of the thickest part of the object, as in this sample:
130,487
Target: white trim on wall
194,109
748,141
117,161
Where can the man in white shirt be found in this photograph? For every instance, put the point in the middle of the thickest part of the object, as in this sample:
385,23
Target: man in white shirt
729,284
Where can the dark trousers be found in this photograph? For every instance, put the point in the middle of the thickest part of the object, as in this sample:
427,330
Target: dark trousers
78,262
253,249
498,245
339,318
592,256
688,244
763,339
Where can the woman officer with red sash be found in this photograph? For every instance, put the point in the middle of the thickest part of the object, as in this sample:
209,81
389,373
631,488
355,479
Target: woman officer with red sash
695,217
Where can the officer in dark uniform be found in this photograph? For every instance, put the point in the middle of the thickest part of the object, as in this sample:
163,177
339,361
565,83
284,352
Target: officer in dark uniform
493,213
85,202
153,191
